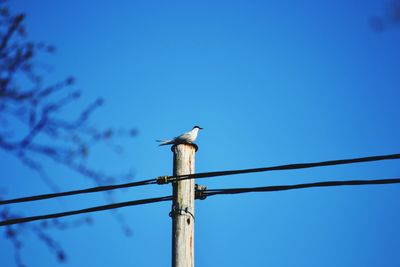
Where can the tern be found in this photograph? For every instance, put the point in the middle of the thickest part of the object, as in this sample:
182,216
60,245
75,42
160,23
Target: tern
186,138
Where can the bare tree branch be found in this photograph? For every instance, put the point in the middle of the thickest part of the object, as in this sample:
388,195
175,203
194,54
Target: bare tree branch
390,18
27,103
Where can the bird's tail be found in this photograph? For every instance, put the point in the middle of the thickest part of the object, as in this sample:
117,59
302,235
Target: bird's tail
165,142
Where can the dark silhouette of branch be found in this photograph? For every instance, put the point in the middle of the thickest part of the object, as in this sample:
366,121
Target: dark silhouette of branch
391,18
15,233
37,107
26,99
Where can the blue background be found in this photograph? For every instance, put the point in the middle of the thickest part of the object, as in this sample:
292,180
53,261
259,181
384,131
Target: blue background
272,82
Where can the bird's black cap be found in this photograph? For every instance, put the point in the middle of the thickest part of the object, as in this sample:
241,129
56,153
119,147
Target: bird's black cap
198,127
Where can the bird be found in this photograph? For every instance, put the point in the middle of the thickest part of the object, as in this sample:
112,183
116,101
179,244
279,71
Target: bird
186,138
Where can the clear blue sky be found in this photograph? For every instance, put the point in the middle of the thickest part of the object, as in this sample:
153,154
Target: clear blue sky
272,82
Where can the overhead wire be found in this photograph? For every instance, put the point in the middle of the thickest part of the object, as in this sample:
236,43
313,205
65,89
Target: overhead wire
207,193
229,191
167,179
77,192
81,211
286,167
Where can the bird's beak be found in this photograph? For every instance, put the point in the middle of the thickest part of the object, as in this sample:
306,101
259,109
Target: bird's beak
201,128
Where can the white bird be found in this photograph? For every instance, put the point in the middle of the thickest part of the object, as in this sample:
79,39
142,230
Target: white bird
186,138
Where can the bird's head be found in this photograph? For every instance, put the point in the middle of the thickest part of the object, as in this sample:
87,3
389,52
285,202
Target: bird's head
197,127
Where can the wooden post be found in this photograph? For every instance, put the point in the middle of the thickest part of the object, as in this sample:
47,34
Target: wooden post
183,207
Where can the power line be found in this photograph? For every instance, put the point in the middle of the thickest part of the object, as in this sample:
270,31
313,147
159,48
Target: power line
213,192
286,167
167,179
76,192
93,209
208,192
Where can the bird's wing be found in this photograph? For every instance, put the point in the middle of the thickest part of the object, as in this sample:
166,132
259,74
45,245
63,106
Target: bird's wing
183,137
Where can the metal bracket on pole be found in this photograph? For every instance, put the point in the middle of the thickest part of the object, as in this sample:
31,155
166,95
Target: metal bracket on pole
199,191
163,180
181,211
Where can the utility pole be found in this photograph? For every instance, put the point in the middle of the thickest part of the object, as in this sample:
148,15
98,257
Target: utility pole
183,206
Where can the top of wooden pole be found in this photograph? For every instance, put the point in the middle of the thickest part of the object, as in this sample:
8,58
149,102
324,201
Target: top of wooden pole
189,144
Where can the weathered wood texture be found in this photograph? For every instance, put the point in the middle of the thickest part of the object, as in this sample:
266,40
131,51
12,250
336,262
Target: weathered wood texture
183,207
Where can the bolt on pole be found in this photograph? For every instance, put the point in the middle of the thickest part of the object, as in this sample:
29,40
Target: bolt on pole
182,212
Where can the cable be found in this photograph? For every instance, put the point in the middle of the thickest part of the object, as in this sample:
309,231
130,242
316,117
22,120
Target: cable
285,167
76,192
209,192
93,209
166,179
213,192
